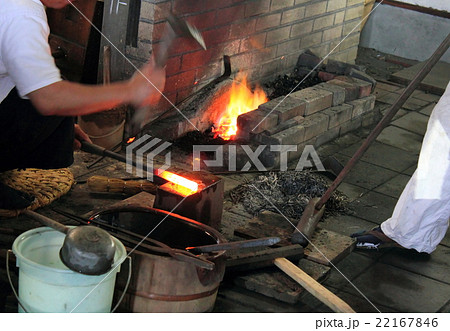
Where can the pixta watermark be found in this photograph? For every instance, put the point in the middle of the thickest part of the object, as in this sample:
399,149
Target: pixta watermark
141,154
231,156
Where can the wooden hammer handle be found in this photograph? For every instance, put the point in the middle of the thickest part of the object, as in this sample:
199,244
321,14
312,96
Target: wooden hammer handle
328,298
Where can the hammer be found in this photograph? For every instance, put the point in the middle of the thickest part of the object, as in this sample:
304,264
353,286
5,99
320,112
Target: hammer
174,27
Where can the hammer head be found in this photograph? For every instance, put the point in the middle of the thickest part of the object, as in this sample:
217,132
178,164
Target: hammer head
184,29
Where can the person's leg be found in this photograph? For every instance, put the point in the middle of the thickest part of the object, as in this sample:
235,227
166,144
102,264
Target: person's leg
30,140
420,218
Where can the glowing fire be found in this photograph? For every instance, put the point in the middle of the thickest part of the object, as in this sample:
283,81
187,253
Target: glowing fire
242,100
178,183
130,140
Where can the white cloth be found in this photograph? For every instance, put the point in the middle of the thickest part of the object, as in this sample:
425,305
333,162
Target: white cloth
421,216
25,57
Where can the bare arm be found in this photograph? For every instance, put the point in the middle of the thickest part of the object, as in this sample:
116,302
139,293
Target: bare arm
69,99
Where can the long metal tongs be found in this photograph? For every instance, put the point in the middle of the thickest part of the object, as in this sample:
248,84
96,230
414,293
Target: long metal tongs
144,242
315,208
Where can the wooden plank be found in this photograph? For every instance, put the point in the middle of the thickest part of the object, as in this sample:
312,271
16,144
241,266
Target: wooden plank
246,261
312,286
276,284
327,247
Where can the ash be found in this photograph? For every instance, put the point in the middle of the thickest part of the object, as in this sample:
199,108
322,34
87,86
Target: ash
288,192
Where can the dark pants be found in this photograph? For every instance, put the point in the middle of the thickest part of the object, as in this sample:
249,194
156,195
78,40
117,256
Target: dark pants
30,140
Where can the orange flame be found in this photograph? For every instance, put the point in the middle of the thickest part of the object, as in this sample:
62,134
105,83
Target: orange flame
130,140
180,184
242,100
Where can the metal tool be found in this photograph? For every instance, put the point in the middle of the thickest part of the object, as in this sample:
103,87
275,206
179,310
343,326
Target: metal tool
314,210
175,27
269,241
144,242
86,249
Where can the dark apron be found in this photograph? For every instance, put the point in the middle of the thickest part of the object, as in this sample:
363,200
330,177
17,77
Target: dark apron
30,140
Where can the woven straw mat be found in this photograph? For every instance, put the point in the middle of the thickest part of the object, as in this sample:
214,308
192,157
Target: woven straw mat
45,185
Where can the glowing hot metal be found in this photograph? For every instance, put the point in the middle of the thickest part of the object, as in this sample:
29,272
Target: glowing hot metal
179,183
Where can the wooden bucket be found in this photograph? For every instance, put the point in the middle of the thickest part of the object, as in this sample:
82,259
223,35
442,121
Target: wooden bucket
159,283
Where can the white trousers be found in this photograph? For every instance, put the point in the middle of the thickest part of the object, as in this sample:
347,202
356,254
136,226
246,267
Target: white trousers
421,216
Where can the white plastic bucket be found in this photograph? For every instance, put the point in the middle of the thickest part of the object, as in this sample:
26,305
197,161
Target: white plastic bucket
47,285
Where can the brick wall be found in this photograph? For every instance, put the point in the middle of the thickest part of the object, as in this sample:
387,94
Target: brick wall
263,37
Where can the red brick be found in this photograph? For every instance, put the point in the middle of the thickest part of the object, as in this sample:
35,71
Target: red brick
326,76
256,121
161,10
216,36
362,105
206,72
309,60
255,42
365,88
285,107
351,91
181,7
173,65
231,14
285,125
338,115
292,136
315,125
218,4
338,92
197,59
316,99
257,8
183,45
158,31
203,21
179,81
242,29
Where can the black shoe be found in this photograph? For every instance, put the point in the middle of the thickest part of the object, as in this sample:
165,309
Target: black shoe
373,239
13,199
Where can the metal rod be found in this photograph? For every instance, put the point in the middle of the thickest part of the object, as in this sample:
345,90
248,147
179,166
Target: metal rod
157,246
269,241
386,119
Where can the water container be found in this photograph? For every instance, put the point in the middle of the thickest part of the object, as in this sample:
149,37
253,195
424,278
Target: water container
47,285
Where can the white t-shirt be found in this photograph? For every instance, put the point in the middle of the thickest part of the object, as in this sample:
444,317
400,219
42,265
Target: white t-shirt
25,57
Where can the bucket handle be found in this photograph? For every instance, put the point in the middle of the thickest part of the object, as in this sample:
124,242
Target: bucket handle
126,286
25,310
10,281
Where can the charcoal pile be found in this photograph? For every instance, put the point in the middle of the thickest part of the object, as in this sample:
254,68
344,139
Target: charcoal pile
198,138
287,192
292,82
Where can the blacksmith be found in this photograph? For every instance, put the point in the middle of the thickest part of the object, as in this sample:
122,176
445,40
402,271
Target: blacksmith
36,106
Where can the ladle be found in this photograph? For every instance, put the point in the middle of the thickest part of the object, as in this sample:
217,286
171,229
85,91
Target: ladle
86,249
